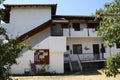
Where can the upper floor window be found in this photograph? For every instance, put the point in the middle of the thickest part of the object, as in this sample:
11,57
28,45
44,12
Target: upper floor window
117,45
76,26
64,25
93,25
56,30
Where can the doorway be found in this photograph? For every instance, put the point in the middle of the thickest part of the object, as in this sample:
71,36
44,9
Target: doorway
96,51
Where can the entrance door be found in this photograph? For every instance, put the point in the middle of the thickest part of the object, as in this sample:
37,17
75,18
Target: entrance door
96,51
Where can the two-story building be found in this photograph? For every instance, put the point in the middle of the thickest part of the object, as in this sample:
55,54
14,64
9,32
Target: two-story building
56,39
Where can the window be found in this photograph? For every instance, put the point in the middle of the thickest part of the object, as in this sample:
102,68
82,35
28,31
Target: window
77,49
41,56
67,47
117,45
93,25
76,26
64,25
56,30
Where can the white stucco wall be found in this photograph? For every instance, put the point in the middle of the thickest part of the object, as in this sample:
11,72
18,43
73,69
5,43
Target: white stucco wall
57,47
43,40
85,42
57,44
111,51
115,50
87,54
57,62
24,19
28,55
23,62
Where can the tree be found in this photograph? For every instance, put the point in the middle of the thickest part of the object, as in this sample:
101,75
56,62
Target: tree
109,30
112,63
110,23
9,49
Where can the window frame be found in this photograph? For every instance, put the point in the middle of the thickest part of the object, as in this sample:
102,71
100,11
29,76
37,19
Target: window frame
37,55
76,52
117,45
65,25
67,47
93,25
76,26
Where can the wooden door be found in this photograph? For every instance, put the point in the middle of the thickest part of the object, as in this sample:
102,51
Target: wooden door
96,51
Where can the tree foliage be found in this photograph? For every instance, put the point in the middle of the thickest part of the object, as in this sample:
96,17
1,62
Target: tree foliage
110,24
112,63
9,48
109,30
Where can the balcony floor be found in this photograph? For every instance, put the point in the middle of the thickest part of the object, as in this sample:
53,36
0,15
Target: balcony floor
88,61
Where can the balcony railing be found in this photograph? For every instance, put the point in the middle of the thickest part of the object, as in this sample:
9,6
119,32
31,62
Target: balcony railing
86,32
84,57
92,32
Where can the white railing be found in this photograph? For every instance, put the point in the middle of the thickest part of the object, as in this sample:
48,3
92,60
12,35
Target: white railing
79,62
86,32
70,63
72,33
86,57
93,32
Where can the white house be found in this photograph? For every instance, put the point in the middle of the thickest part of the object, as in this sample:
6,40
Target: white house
56,39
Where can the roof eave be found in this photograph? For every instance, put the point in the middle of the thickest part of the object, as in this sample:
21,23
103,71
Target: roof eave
35,31
8,8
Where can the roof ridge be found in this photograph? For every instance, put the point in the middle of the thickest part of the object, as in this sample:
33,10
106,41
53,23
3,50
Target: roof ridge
27,4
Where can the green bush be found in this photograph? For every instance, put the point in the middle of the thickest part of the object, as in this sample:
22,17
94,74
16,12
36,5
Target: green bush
112,65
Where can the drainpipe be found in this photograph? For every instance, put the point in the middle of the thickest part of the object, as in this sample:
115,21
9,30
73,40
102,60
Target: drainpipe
88,31
69,30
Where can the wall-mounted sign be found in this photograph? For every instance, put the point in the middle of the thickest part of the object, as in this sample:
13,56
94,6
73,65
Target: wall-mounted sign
41,56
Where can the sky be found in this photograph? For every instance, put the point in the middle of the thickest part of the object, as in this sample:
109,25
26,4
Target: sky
68,7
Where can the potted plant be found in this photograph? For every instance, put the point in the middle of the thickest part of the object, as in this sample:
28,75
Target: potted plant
42,70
